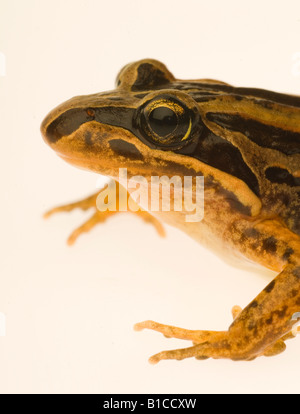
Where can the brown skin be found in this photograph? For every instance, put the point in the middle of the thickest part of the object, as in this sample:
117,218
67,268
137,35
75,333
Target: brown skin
252,197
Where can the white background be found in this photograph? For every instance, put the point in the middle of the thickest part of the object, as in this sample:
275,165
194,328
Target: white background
70,311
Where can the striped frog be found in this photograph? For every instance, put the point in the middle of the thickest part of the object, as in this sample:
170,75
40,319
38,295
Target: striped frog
245,142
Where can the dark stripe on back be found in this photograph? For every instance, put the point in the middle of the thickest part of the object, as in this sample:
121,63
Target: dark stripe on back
282,176
264,94
263,135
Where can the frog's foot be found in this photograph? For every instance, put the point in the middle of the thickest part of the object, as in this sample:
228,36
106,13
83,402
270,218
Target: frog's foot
100,216
85,204
207,344
213,344
97,218
173,332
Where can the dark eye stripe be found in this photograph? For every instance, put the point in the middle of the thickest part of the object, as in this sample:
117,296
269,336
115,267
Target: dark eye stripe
72,119
204,148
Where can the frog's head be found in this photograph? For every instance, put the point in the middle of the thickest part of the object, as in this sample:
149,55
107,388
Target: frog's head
144,125
151,124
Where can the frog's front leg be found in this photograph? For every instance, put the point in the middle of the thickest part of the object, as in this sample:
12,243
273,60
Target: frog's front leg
121,197
263,326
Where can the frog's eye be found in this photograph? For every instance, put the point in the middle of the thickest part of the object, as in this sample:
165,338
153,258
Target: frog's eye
163,121
166,121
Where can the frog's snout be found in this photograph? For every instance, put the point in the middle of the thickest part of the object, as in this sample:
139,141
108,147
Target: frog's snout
54,127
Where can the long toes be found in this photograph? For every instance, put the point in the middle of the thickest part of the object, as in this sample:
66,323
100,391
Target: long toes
217,346
178,354
85,204
169,331
96,218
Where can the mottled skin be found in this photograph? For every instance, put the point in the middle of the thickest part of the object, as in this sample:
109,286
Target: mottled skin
246,143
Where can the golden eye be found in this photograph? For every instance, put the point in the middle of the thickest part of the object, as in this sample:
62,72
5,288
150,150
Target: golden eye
167,121
163,121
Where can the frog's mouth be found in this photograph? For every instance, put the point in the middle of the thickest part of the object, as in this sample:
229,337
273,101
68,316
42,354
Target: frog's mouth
97,147
104,148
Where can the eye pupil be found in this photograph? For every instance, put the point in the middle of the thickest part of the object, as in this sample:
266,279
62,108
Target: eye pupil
163,121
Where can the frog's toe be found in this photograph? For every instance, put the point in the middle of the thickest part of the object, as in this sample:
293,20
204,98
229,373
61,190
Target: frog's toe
207,344
85,204
235,311
199,351
169,331
97,218
197,336
179,354
100,215
212,344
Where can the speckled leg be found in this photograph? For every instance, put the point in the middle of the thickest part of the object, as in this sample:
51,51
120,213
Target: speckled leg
263,326
260,329
100,216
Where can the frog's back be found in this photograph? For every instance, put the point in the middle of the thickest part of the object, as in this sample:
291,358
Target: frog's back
251,134
254,135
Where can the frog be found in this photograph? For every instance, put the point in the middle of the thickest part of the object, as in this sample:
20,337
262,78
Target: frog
245,142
